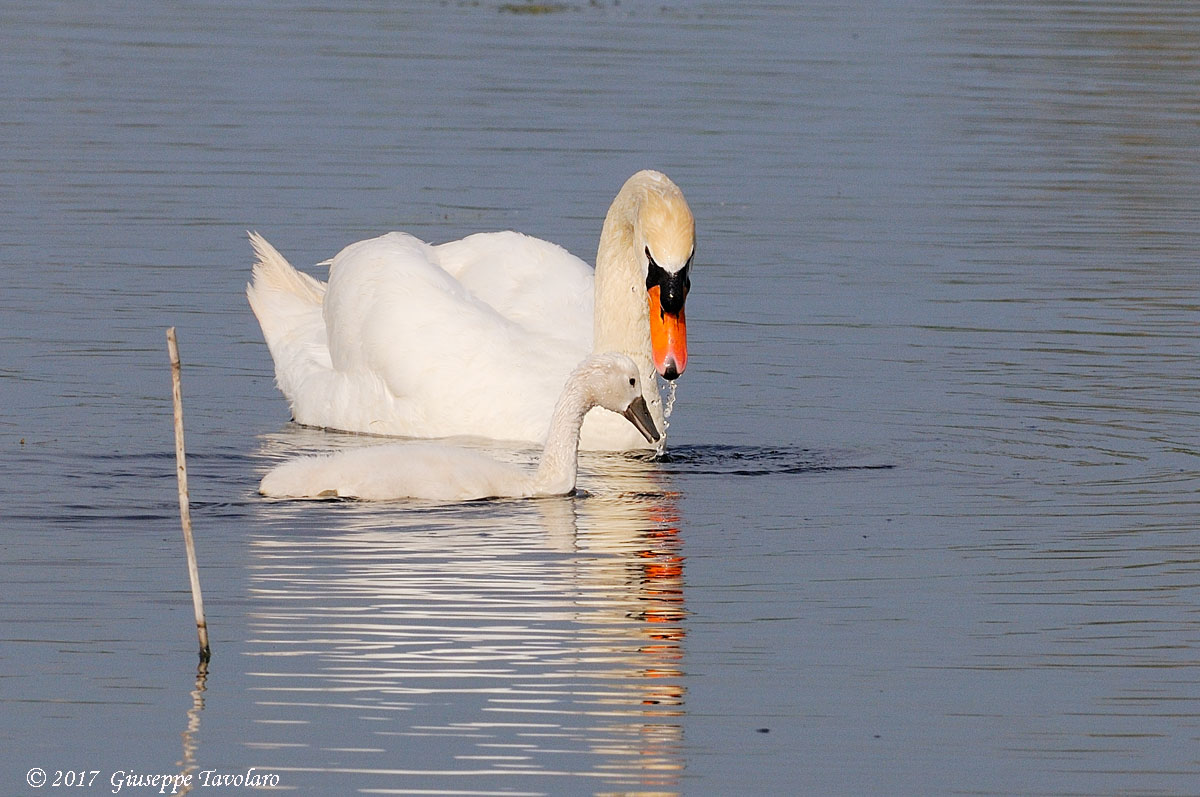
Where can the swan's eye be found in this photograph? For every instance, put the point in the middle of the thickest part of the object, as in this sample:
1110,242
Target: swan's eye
673,286
632,381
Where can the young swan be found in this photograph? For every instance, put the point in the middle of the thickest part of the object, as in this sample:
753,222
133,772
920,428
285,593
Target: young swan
446,473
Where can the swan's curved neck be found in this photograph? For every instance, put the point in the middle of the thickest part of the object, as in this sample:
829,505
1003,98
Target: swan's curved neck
559,466
621,318
621,315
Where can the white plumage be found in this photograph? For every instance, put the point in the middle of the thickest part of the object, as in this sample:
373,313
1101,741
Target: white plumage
446,473
473,337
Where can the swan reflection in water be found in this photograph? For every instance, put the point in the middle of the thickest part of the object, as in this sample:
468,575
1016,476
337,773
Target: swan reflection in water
489,645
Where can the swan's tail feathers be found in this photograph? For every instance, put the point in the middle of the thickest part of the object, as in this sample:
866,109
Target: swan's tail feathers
288,304
284,300
272,272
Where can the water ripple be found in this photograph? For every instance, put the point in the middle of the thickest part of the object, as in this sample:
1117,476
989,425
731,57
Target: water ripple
729,460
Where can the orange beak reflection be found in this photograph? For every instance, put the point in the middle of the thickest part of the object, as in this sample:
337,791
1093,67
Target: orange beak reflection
668,337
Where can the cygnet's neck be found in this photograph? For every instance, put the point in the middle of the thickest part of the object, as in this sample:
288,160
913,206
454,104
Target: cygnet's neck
560,458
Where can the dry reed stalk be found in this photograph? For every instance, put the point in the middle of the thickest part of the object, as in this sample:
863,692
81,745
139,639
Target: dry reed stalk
185,515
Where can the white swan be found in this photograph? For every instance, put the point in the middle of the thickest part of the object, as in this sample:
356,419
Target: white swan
447,473
475,337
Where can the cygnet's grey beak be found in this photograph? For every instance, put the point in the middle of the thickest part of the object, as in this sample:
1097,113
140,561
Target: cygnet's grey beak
639,415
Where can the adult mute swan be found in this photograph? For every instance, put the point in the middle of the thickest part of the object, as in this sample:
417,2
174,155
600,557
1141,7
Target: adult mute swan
475,337
447,473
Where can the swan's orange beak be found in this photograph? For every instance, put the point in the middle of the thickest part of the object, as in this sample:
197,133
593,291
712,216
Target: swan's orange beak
668,336
666,292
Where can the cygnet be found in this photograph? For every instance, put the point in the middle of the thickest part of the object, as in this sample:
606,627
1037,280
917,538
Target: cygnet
440,472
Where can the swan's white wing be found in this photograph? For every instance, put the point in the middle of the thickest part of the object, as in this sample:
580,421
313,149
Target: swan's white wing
417,353
533,283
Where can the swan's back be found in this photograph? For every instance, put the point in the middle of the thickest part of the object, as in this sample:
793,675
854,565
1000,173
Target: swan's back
429,471
535,284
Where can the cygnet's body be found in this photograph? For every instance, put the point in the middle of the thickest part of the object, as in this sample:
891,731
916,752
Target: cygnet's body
447,473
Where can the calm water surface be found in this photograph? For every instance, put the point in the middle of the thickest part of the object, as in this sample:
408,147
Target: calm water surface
929,522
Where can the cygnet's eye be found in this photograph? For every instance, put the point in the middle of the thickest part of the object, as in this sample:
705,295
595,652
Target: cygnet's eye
632,381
